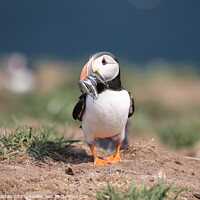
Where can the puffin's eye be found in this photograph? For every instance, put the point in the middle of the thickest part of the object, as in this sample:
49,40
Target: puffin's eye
104,62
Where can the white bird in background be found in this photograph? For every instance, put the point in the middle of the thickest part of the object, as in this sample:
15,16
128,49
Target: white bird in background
105,107
17,77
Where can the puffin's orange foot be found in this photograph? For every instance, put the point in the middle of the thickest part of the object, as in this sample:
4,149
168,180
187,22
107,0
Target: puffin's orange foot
113,158
100,162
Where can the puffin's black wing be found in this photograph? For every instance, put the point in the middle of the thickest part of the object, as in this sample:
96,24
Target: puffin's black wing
79,107
132,106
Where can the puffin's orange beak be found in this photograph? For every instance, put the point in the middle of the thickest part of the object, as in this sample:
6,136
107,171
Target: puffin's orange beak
84,71
87,69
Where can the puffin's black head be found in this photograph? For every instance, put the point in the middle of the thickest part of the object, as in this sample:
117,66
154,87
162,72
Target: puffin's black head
105,62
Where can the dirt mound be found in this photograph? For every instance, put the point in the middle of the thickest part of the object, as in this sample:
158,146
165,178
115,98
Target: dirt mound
75,177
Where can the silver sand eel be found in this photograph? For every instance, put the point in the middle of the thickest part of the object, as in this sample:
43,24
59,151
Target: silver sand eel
89,84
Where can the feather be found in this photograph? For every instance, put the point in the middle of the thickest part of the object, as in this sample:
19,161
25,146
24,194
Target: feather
79,107
132,106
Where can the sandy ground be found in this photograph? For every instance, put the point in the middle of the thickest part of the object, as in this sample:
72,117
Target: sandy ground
75,177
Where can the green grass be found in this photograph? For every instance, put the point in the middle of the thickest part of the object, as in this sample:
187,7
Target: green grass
37,142
158,191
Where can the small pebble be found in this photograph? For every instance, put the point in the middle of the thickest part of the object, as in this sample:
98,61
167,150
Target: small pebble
69,171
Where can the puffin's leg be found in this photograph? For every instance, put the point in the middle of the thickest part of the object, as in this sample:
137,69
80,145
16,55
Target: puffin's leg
115,157
97,161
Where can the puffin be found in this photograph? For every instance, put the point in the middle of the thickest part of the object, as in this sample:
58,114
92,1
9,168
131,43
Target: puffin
105,105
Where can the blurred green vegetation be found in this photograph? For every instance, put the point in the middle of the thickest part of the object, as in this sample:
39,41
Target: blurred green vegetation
55,105
167,100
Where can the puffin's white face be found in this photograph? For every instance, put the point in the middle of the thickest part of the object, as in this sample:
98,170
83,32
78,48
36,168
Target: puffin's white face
106,64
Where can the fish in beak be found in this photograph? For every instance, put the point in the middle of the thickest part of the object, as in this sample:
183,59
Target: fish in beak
89,79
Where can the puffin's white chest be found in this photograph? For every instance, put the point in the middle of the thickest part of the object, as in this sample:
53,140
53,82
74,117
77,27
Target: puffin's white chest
106,116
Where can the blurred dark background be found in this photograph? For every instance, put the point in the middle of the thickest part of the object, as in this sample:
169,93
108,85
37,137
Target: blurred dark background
137,30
